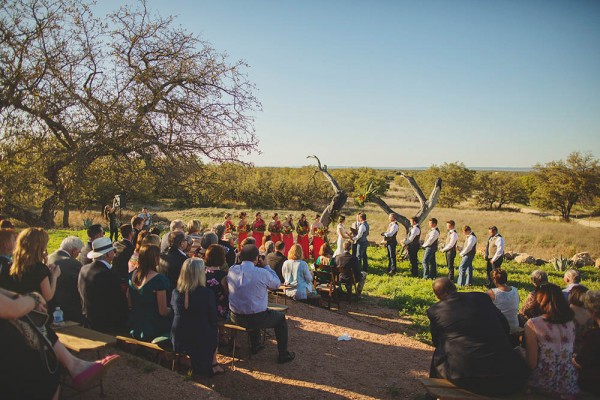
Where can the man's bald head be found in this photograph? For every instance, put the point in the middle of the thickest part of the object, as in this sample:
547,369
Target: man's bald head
443,287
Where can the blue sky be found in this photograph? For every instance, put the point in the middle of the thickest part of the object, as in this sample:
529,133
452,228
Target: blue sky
411,83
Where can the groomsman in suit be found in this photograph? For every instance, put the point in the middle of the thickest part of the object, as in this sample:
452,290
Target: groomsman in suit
124,250
494,254
391,243
66,295
361,241
94,232
450,248
412,243
103,302
172,260
431,245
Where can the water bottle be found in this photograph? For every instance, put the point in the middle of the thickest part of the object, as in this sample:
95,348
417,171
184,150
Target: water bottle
58,317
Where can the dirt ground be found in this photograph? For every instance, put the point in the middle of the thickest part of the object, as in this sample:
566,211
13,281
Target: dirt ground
377,363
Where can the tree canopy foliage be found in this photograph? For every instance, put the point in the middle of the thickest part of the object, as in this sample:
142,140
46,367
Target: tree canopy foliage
132,91
458,182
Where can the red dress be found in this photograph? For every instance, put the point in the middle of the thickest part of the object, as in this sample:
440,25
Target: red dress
288,238
275,231
258,231
303,239
229,226
242,233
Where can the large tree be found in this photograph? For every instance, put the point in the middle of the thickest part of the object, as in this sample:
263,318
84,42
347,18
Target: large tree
458,182
499,189
133,87
562,184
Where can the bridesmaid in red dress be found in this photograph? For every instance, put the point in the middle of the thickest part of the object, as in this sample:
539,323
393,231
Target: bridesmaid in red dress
258,229
243,228
229,225
287,228
318,237
275,228
302,230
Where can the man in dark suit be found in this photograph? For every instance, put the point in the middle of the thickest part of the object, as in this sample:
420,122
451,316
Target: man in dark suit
349,267
172,260
276,259
66,295
104,303
94,232
124,251
472,347
219,230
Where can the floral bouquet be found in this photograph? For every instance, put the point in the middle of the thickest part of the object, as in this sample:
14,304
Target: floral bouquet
371,190
301,230
321,231
274,227
229,226
259,227
287,229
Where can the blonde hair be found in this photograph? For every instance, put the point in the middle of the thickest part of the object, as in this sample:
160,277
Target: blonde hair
295,252
192,275
151,239
29,250
194,225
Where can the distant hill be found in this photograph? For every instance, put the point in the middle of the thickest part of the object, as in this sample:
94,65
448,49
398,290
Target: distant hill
502,169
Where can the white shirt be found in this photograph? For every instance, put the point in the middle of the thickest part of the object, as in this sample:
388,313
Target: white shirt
451,240
392,229
499,247
432,236
106,263
413,233
361,231
469,244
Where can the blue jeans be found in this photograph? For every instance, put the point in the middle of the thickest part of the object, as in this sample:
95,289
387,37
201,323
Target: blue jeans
465,270
429,265
361,254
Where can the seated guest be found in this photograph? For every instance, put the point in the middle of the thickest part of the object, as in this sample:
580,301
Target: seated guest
94,232
349,269
6,224
248,240
530,307
219,230
325,259
176,225
505,297
276,259
172,260
581,316
8,240
588,359
472,348
194,228
137,223
23,373
123,252
248,299
572,279
132,264
216,279
549,345
150,315
296,275
194,328
103,302
208,239
67,295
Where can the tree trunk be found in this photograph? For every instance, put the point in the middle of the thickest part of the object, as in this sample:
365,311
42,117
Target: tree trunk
44,220
339,196
65,220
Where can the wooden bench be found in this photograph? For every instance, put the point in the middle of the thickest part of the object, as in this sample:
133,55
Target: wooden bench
155,349
233,330
443,389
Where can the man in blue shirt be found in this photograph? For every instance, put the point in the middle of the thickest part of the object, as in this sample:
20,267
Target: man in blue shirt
248,298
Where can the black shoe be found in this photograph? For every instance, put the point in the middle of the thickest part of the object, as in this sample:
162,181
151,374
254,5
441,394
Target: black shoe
282,359
258,348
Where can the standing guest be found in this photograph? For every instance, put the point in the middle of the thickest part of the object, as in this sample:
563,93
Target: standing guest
431,245
276,259
413,244
296,275
572,279
465,269
216,279
243,228
176,225
194,330
506,298
229,225
8,240
172,260
354,231
318,236
150,315
530,307
110,214
581,316
145,215
275,228
302,229
29,271
103,302
494,253
194,228
133,260
391,242
137,223
94,232
349,271
258,228
219,230
472,348
67,295
342,235
123,252
287,228
549,345
588,359
248,285
362,241
450,248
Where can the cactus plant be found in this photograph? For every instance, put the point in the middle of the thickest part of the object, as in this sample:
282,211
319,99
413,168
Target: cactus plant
561,264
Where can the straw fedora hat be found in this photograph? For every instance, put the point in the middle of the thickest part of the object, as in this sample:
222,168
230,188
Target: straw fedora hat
100,247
